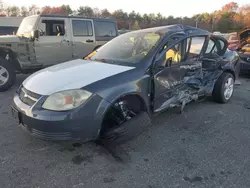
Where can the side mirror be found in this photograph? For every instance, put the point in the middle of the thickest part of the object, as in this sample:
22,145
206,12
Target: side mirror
35,34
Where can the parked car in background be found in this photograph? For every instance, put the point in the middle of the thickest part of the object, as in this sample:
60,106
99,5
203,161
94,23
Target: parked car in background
123,31
113,94
45,40
233,41
9,25
243,49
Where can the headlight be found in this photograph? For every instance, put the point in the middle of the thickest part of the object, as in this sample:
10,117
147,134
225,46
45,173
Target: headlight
66,100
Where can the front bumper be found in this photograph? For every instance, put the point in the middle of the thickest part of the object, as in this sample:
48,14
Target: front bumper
82,123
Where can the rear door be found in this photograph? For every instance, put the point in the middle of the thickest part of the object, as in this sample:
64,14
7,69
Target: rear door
191,65
105,30
83,37
215,53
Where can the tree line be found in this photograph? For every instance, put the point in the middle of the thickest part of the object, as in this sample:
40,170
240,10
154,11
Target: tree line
231,17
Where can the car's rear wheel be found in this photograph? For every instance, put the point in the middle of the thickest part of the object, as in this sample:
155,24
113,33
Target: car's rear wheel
224,88
124,121
7,74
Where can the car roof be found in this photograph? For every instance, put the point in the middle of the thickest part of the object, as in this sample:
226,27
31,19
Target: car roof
60,16
164,30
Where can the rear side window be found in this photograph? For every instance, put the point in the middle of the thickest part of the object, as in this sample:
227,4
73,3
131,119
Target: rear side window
5,30
210,46
82,28
105,29
215,46
196,45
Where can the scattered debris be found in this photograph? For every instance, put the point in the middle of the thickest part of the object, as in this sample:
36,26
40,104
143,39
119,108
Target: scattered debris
222,113
42,149
206,122
108,180
78,185
116,151
77,145
247,105
78,159
194,179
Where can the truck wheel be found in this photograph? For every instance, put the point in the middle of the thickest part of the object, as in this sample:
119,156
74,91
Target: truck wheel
224,88
7,75
126,125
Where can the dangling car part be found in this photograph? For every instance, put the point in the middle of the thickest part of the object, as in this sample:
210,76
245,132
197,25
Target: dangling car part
113,93
243,49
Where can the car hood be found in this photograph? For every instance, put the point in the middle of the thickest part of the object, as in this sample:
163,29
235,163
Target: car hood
244,37
73,74
9,39
245,34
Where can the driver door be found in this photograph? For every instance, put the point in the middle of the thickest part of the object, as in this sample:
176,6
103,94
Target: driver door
170,77
167,73
54,43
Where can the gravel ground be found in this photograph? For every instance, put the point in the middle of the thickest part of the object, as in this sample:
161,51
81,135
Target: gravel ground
205,146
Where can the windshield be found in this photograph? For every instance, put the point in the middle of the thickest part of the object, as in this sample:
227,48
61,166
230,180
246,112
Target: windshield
27,25
7,30
127,48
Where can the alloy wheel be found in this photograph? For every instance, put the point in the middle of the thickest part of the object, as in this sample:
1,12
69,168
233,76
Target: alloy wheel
4,75
229,88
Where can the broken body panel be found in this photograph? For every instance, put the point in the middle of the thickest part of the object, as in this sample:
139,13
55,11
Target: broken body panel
243,49
178,85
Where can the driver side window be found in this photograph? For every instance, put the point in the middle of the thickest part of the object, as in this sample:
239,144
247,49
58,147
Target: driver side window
52,28
171,54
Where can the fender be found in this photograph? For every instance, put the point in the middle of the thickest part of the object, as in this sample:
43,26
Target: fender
140,88
11,57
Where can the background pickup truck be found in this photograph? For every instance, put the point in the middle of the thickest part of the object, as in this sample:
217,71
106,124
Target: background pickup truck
45,40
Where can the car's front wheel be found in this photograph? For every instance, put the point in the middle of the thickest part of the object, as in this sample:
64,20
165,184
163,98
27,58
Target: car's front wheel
7,75
124,121
224,88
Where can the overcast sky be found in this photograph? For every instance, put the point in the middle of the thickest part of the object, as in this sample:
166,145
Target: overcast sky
166,7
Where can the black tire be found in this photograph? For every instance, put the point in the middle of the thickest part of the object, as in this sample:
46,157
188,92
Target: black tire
127,130
219,88
11,72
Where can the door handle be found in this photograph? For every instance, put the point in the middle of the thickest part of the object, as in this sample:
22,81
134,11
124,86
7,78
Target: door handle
89,40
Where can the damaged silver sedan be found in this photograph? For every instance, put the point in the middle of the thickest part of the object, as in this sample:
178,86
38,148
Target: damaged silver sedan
114,91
